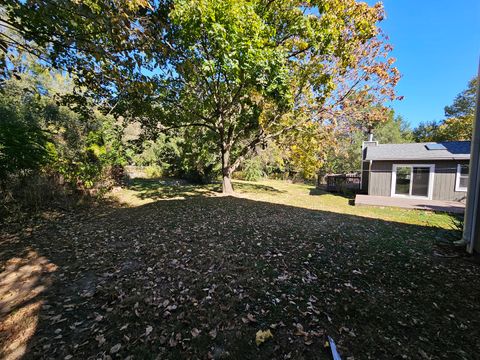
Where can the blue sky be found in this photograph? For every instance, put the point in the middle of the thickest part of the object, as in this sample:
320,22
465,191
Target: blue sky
437,46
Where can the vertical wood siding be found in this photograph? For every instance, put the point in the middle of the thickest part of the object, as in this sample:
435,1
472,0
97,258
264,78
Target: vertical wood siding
380,179
444,181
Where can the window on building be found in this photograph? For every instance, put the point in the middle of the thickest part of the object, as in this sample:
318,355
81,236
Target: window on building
462,177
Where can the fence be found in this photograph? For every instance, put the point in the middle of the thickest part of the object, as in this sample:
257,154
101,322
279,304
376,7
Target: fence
343,182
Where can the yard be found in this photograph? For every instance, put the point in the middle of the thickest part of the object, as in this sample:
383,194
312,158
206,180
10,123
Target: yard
168,271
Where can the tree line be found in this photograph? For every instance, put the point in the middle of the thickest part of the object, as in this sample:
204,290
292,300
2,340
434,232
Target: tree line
200,89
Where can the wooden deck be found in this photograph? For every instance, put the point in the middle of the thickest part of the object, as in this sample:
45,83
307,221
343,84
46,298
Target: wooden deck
423,204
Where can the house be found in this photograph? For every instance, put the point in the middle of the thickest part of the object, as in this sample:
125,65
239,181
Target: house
428,171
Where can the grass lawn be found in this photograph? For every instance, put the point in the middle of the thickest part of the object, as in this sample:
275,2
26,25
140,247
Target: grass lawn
175,271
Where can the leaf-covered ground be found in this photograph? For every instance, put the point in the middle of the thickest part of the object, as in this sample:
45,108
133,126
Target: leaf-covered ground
182,274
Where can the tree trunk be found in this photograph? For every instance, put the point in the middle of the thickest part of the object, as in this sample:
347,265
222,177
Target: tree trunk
227,187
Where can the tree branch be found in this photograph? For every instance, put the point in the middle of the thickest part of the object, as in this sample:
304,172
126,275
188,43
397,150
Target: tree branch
188,125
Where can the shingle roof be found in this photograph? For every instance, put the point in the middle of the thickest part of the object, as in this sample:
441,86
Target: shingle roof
454,150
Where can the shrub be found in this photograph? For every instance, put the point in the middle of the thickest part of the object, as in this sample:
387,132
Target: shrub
47,148
23,144
252,169
238,175
153,171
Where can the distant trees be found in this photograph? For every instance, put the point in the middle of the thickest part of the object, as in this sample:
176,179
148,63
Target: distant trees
230,77
458,121
336,150
427,131
348,156
45,142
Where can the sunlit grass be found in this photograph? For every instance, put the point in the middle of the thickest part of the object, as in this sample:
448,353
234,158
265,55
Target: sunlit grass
143,191
307,196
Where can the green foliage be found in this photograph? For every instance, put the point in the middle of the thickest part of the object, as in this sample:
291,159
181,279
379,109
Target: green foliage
427,131
394,131
85,152
23,144
316,148
452,129
252,169
198,160
307,148
348,156
164,152
40,135
177,156
153,171
240,73
464,103
458,223
246,72
85,37
269,160
226,76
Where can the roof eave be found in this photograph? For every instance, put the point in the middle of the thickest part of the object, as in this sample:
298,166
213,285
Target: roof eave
419,158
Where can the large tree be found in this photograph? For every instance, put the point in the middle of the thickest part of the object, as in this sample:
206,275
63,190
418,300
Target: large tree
250,71
101,42
241,72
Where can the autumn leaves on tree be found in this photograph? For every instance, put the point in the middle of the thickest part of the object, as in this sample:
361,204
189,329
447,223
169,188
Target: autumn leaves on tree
250,72
239,73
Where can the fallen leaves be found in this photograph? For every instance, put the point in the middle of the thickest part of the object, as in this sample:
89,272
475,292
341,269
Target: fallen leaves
249,319
262,335
100,339
299,330
185,279
116,348
213,333
148,330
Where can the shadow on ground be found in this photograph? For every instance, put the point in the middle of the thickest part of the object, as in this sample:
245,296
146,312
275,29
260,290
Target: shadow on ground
256,188
162,189
197,278
316,191
347,195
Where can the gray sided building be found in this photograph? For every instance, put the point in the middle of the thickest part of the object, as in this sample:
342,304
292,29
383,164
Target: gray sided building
434,171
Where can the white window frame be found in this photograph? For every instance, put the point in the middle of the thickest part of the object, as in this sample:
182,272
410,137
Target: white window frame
457,179
411,166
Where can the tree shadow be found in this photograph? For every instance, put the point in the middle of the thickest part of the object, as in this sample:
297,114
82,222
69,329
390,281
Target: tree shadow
256,188
22,282
163,189
350,196
184,278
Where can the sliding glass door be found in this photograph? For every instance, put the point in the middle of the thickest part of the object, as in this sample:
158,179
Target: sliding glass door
420,180
404,177
412,180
